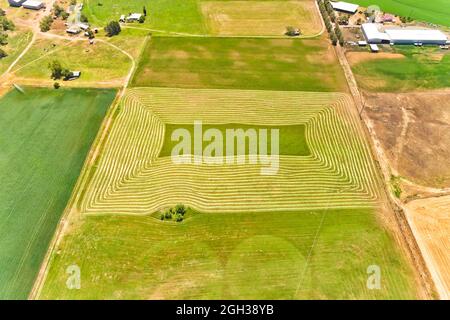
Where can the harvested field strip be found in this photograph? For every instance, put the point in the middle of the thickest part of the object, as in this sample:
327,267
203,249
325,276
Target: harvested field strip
132,179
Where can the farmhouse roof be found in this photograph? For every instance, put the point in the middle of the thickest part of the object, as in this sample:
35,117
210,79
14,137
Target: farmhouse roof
344,6
372,33
32,3
135,16
415,35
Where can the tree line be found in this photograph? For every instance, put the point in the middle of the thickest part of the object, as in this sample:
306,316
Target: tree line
5,26
329,18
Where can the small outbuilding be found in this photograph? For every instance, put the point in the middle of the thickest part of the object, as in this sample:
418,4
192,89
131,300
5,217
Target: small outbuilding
374,47
83,26
73,30
33,5
16,3
387,18
73,75
344,7
134,17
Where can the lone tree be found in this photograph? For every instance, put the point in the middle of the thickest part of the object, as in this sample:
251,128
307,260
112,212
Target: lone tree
57,70
112,28
6,24
46,23
83,18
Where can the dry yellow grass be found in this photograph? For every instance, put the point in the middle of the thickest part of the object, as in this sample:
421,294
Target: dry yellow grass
261,17
430,221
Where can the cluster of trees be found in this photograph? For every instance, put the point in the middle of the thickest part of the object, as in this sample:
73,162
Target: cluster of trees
5,25
176,213
46,23
59,12
406,19
112,28
58,71
329,17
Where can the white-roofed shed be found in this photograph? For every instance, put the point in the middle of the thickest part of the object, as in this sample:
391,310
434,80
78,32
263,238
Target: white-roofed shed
345,6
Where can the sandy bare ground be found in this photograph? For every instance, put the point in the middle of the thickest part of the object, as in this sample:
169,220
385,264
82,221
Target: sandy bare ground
414,131
355,57
430,221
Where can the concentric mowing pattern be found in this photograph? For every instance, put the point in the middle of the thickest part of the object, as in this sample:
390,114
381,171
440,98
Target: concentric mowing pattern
132,179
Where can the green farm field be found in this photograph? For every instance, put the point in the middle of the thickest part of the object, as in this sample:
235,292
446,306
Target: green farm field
166,15
435,11
45,137
198,17
310,231
265,64
418,69
267,255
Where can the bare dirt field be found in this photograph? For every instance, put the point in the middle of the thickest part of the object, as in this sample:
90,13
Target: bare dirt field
414,129
430,221
355,57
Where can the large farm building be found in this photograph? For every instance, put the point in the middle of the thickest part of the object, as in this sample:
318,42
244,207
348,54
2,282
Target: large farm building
374,34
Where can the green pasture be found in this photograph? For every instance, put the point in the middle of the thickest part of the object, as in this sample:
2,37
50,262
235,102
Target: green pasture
273,255
230,63
421,68
45,135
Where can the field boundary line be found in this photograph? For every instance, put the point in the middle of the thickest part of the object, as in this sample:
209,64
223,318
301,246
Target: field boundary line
84,176
72,204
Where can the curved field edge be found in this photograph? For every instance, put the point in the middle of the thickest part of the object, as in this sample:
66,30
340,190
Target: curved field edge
50,133
131,178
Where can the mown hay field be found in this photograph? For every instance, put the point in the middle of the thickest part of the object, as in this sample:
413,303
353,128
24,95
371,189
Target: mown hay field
267,18
198,17
45,136
229,63
310,231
